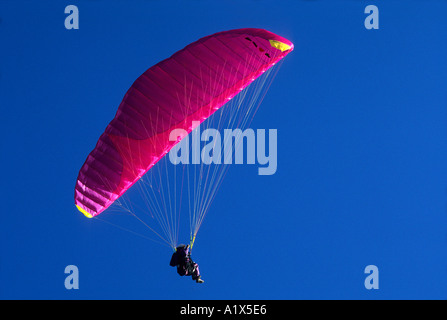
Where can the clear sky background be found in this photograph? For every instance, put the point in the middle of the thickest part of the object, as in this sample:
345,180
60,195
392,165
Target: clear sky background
362,130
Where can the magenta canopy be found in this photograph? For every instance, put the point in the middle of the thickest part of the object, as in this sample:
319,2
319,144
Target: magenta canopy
179,92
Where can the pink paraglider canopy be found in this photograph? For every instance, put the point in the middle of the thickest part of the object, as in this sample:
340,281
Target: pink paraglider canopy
177,93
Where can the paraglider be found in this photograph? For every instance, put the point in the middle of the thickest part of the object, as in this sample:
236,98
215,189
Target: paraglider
181,259
180,92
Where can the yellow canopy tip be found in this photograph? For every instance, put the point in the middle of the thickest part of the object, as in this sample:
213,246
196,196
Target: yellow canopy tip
280,45
88,215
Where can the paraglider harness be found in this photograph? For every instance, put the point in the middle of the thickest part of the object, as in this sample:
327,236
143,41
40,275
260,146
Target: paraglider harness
181,259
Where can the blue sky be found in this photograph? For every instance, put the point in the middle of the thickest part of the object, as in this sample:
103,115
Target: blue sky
361,180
